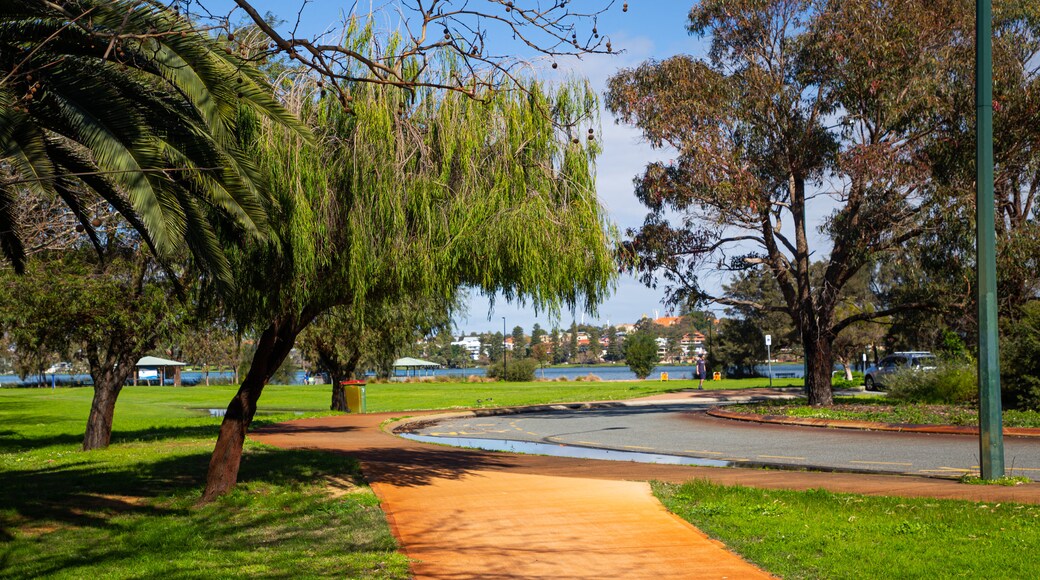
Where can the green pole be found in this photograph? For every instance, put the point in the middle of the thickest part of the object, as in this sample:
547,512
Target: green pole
991,432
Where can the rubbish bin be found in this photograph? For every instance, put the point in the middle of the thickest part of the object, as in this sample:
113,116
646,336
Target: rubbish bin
355,392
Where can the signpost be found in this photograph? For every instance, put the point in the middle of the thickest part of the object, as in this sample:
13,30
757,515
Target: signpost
769,359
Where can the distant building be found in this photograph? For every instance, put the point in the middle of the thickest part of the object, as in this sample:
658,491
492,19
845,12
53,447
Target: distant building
471,344
668,320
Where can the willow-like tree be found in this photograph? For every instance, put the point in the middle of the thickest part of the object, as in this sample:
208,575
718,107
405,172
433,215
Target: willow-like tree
411,195
801,108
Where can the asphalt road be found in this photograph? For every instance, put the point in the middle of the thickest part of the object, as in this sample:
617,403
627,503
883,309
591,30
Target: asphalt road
684,430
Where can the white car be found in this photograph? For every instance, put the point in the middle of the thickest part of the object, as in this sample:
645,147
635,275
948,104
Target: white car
918,360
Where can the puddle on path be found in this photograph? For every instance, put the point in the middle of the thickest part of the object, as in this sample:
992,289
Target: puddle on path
566,451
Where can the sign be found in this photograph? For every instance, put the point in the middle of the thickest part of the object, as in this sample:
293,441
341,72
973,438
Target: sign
769,339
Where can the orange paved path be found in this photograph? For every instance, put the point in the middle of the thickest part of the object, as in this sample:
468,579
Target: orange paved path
469,514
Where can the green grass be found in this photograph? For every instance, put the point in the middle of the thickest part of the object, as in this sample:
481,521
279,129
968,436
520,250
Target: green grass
818,534
881,410
128,511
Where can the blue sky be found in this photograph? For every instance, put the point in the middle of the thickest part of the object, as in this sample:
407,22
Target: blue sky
649,29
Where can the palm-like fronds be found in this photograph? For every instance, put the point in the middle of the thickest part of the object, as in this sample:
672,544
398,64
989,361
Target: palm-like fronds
124,98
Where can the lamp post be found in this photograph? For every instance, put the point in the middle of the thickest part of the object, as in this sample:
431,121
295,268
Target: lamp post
503,348
991,432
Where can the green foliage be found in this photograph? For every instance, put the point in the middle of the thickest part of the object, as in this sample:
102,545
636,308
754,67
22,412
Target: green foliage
949,382
73,306
739,347
641,353
123,99
1020,357
819,534
840,382
518,370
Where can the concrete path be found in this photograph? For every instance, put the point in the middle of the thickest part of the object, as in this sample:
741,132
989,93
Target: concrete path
464,514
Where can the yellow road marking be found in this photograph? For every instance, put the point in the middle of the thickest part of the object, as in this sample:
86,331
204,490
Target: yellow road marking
1023,469
881,462
734,458
780,457
637,447
588,442
530,433
705,452
956,468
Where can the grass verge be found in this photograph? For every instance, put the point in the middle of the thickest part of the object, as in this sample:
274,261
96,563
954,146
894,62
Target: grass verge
880,410
819,534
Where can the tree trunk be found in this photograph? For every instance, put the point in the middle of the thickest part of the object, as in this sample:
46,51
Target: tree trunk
271,349
818,365
339,397
107,385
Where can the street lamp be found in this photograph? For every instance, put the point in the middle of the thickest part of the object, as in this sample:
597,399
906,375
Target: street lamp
991,431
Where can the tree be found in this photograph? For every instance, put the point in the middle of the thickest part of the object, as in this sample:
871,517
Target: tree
614,345
641,353
414,195
559,352
520,346
796,106
123,100
109,312
207,343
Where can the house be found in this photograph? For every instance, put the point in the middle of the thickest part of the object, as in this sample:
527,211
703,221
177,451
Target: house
471,344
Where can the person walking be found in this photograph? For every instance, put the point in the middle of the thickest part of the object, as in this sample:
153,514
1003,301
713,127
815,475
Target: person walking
702,372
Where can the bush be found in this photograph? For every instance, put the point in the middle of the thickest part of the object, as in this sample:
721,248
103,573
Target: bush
588,378
516,370
949,383
641,353
839,381
1020,350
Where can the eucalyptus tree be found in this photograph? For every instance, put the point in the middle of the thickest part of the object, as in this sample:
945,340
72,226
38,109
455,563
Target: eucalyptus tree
413,195
797,110
125,100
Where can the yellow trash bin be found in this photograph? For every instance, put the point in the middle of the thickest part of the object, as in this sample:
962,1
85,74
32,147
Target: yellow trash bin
664,376
355,392
716,376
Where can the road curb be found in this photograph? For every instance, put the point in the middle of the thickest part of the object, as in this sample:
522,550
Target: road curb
867,425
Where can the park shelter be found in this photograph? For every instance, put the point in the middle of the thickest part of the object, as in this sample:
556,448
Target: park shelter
414,365
153,368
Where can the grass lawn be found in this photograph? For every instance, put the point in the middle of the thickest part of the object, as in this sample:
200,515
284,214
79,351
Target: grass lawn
881,410
818,534
128,511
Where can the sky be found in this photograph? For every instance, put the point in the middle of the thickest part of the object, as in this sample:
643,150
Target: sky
649,29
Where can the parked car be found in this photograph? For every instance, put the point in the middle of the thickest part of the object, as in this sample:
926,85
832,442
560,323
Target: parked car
876,375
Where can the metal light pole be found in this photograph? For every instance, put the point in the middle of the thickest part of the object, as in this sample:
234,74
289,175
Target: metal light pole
503,348
991,432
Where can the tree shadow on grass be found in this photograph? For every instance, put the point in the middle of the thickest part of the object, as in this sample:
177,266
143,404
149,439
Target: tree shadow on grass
88,492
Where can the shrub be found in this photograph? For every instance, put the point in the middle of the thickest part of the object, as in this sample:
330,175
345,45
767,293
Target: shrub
839,381
1020,350
641,353
516,370
588,378
949,383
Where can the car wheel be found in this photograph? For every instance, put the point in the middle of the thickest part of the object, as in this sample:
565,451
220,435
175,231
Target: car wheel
869,383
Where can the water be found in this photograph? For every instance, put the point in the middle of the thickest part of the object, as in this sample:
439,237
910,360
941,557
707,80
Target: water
619,373
567,451
606,373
